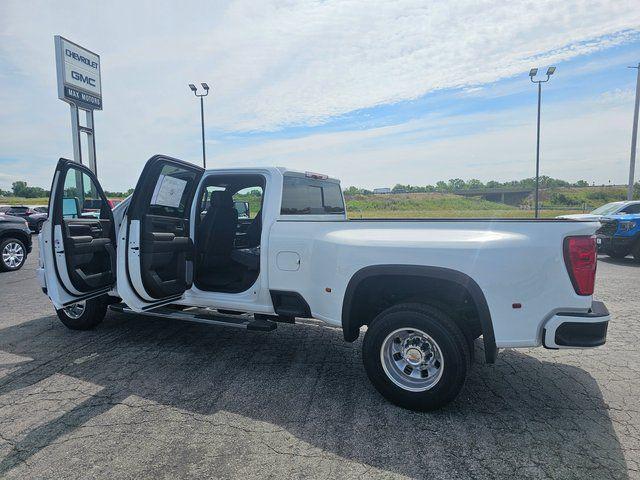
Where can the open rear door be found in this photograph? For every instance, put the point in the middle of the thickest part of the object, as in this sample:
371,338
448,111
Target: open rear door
155,260
78,241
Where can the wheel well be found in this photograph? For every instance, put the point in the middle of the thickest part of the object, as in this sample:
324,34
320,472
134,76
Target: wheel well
374,289
22,236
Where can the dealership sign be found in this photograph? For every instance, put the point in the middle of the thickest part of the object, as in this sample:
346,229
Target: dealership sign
78,75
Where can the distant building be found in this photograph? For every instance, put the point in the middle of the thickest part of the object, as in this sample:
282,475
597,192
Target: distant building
381,191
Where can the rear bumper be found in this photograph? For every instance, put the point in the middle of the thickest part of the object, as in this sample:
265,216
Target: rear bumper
577,330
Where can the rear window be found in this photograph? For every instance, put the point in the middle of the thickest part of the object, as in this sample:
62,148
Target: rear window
306,196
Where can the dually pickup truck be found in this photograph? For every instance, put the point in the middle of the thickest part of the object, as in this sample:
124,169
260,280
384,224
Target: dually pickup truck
423,289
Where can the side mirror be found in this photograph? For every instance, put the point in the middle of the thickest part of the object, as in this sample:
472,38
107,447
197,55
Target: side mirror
242,208
70,207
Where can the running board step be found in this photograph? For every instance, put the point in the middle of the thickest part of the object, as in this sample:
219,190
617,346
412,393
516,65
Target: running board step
203,315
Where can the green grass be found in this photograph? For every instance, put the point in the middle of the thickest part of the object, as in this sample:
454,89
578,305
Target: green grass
23,201
435,205
421,202
516,213
591,197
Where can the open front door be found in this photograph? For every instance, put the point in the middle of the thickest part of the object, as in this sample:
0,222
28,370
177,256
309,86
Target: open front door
78,241
155,258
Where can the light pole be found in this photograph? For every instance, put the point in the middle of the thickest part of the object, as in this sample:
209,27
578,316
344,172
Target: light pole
201,96
634,138
532,73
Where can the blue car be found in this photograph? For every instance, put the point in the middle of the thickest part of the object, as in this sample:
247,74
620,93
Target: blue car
619,236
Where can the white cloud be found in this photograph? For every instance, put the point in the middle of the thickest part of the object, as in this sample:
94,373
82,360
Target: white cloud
580,140
272,64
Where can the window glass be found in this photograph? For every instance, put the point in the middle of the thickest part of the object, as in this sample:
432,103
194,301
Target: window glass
304,196
607,209
80,197
633,208
172,191
248,202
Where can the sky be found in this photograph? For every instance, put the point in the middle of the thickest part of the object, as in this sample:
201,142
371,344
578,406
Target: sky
374,93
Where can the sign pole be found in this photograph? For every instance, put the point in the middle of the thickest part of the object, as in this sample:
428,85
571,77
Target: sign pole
91,141
634,138
75,133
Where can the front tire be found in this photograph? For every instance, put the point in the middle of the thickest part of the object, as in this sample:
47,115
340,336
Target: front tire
618,255
416,356
83,315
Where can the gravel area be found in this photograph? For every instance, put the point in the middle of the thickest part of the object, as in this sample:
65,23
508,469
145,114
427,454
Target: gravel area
146,398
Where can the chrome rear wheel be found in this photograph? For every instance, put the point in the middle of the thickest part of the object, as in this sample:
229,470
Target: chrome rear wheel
412,359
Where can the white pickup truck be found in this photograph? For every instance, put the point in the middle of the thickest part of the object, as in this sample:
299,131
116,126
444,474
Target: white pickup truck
424,289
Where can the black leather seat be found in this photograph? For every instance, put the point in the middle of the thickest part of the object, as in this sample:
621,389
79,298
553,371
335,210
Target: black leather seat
217,232
254,231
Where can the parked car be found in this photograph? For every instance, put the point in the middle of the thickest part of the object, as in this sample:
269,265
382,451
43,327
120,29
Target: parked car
613,208
34,218
425,289
15,242
619,236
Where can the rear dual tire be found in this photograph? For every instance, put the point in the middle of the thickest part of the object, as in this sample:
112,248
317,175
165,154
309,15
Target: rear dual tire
84,315
416,356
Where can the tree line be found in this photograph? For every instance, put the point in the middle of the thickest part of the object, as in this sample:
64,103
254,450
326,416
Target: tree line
457,184
21,189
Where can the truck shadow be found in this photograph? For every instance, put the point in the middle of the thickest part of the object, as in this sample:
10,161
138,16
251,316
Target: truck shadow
519,417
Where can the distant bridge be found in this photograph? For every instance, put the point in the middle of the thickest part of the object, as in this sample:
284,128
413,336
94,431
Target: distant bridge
510,196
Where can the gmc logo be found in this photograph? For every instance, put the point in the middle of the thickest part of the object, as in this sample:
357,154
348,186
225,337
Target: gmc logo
83,78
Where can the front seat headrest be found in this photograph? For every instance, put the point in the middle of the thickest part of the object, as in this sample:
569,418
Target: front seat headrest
221,198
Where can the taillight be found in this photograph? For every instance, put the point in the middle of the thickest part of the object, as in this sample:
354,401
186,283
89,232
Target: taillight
580,257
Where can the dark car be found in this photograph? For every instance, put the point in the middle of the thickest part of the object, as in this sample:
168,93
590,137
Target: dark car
34,218
15,242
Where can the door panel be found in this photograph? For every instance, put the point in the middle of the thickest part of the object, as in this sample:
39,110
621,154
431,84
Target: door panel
165,250
89,253
159,250
79,239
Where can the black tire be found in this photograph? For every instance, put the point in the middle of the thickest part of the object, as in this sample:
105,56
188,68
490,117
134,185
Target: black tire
94,312
38,227
636,252
8,264
618,255
447,335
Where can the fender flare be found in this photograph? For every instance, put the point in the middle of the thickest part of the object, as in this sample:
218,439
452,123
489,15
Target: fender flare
16,233
351,328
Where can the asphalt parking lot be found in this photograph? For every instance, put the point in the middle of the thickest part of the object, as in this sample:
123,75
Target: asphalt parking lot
153,398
